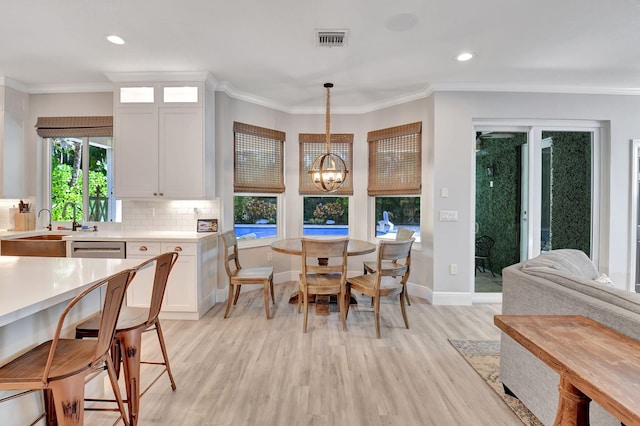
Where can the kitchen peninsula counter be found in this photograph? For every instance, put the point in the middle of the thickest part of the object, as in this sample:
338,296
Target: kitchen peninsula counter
32,284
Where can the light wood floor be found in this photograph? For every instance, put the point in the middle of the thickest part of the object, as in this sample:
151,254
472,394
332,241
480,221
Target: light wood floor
246,370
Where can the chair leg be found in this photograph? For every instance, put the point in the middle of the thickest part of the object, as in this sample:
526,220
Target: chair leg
68,398
341,303
131,342
116,390
299,298
163,348
404,312
50,408
266,298
235,299
406,295
347,299
229,299
273,298
376,314
306,311
491,266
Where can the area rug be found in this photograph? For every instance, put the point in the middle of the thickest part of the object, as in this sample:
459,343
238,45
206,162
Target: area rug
484,357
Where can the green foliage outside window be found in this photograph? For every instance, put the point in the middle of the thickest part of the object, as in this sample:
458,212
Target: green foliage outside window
67,178
247,209
318,210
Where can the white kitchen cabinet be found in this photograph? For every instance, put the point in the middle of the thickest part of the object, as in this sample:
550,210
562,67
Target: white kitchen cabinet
191,287
164,140
13,111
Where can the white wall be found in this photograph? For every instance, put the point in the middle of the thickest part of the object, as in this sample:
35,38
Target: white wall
454,168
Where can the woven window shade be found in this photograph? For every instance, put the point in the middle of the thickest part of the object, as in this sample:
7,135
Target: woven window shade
258,159
395,160
67,127
314,144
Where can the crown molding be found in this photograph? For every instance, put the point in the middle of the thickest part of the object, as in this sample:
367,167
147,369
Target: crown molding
69,88
574,90
227,88
7,82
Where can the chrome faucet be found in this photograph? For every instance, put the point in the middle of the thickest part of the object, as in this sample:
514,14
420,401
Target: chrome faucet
46,210
74,225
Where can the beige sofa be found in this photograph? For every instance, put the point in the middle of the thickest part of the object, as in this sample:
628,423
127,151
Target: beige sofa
559,282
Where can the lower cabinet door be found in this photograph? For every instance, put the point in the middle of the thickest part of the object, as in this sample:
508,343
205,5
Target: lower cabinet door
180,295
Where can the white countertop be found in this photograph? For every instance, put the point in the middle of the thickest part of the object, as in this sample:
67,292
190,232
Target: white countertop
168,236
32,284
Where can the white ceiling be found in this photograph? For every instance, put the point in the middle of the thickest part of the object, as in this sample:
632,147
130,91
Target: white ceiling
265,50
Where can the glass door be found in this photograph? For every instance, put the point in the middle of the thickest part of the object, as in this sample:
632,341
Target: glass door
501,205
535,192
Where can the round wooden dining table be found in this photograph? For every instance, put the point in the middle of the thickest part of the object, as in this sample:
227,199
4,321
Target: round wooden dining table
294,246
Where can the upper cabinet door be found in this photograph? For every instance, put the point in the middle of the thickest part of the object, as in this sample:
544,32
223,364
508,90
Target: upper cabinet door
181,153
136,153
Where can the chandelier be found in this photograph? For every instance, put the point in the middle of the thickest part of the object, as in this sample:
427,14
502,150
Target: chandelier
328,171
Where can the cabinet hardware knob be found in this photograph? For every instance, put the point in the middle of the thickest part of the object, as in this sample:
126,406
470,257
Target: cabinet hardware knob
155,194
177,248
161,194
143,248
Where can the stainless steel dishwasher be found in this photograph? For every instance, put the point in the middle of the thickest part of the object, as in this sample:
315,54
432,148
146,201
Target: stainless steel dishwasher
99,249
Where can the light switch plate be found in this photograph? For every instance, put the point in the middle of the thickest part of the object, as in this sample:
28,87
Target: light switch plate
448,215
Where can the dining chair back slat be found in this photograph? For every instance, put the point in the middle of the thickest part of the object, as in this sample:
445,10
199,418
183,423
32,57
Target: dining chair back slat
324,272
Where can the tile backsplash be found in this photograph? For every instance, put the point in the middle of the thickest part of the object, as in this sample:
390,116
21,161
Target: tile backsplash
174,215
138,215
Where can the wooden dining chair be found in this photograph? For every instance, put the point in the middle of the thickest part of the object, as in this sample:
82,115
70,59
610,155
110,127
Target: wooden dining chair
370,266
239,276
61,365
321,276
131,324
388,279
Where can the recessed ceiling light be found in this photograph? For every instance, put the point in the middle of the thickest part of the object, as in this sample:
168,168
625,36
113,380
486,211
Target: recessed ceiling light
115,39
465,56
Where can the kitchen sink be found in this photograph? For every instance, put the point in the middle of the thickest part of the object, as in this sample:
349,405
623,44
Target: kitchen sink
43,237
44,245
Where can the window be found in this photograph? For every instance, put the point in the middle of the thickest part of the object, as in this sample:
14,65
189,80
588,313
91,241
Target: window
326,216
255,217
392,213
395,178
80,179
258,177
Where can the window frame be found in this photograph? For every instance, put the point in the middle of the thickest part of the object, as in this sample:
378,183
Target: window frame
115,207
261,242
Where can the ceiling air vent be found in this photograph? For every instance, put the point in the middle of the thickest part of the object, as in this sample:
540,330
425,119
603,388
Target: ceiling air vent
331,38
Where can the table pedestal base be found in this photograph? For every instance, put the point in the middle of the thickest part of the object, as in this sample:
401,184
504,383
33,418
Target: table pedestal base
322,302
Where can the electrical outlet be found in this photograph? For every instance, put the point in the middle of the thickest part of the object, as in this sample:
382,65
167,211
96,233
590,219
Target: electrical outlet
269,256
453,269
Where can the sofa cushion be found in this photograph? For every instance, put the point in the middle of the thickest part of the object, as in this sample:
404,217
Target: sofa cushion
588,286
574,262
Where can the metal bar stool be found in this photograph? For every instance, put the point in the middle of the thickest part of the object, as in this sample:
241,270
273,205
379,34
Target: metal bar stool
132,323
59,366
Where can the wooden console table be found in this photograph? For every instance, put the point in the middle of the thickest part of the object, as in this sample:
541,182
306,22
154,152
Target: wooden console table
593,361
